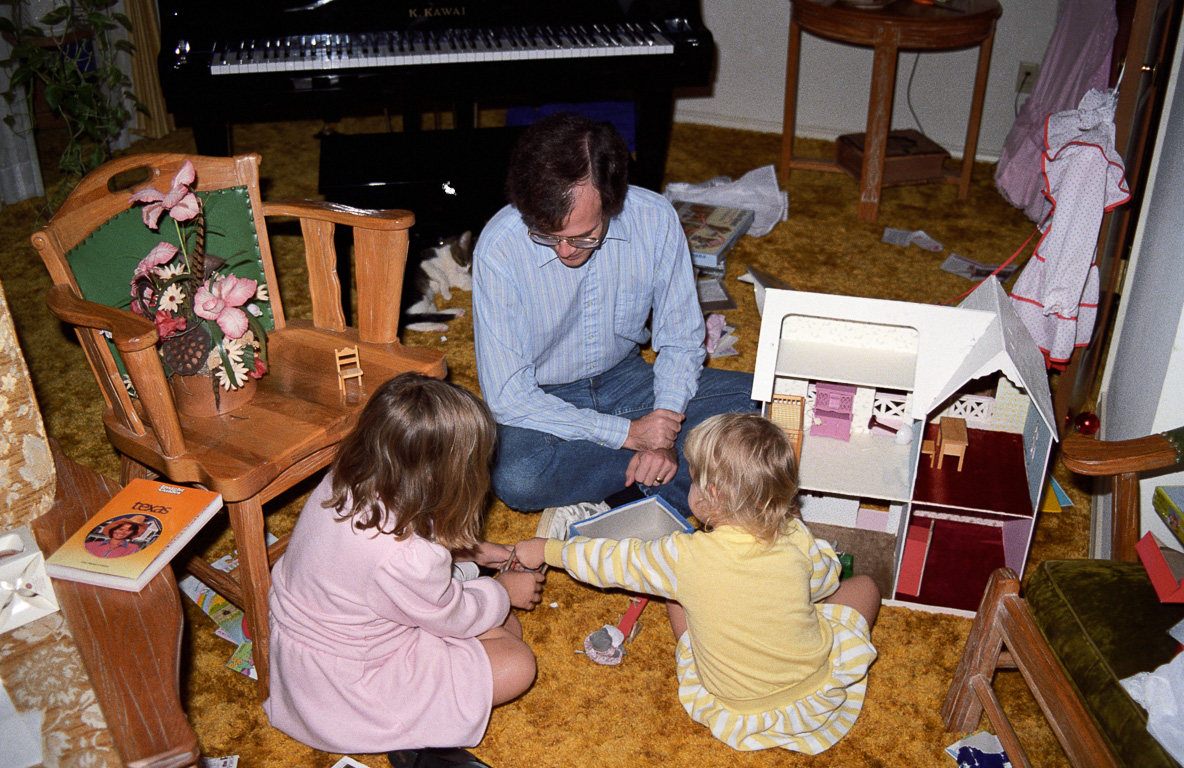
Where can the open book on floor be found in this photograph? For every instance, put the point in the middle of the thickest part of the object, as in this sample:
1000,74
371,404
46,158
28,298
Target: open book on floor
134,535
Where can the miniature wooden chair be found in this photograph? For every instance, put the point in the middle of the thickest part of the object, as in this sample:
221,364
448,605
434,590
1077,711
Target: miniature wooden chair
348,366
291,428
787,412
951,440
1080,628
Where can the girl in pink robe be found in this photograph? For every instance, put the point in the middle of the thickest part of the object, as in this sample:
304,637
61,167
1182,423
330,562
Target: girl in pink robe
375,645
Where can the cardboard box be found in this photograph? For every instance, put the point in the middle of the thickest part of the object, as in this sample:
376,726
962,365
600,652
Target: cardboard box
911,157
1165,566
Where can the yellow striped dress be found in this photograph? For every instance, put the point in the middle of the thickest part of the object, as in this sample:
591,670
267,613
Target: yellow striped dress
763,663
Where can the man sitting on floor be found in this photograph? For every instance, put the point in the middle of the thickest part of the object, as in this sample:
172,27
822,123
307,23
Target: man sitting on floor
564,281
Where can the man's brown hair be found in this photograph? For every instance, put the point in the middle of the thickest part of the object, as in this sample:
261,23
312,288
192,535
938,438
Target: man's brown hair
554,155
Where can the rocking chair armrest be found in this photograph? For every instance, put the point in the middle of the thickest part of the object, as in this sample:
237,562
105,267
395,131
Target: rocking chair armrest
1089,456
130,332
135,337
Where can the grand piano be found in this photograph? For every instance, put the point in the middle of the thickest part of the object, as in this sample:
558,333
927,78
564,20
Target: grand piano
228,61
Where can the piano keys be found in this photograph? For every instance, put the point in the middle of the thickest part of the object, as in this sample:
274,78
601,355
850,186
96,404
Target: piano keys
320,52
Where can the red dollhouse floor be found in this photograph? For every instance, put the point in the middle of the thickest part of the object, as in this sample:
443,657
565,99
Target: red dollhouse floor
961,553
993,476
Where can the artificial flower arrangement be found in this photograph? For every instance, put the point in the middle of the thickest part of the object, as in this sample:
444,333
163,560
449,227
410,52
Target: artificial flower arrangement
207,318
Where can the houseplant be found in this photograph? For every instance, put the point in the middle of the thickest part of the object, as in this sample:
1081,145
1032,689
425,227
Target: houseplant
212,342
69,54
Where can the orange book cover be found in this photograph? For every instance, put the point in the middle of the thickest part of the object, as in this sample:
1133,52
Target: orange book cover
134,535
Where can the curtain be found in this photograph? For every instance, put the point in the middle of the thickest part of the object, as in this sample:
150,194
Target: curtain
145,36
20,174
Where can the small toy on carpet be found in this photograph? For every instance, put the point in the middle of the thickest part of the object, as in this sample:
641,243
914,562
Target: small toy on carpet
607,644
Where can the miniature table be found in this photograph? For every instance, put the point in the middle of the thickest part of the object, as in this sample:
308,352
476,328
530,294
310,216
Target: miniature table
899,25
951,439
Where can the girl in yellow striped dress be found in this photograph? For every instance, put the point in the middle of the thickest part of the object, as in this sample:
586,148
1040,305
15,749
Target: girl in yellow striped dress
772,650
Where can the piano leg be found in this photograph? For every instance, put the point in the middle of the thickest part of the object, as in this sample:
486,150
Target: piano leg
212,137
655,116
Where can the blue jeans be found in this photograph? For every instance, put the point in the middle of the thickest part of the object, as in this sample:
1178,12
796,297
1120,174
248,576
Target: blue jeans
534,469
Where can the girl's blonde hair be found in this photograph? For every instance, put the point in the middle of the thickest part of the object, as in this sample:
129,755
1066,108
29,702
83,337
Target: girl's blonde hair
418,461
744,466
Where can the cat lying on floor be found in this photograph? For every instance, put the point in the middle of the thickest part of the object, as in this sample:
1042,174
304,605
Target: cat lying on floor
435,271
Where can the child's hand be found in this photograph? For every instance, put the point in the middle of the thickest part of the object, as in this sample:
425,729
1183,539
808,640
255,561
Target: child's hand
491,555
525,588
531,553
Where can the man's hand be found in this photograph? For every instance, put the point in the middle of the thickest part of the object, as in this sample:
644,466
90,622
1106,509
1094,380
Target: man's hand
655,431
524,587
652,467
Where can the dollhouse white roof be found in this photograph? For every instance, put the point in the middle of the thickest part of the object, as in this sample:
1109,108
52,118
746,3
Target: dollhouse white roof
1005,346
926,349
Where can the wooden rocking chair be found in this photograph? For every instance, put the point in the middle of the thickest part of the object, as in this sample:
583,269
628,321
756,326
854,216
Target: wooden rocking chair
292,426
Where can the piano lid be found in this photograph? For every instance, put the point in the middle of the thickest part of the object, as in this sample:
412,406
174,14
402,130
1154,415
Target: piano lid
213,20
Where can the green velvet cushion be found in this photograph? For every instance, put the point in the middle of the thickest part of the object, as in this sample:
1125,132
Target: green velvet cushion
1104,623
104,262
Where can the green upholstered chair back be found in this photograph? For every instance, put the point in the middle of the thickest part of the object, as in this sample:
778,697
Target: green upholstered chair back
104,262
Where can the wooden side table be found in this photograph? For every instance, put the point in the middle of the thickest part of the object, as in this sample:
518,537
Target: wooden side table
888,29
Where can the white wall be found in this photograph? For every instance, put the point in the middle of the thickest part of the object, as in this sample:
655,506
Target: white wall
835,79
1142,388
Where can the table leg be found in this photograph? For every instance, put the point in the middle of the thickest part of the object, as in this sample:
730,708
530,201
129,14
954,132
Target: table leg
789,122
879,117
976,114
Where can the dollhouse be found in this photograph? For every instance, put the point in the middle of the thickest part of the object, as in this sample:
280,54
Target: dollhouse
925,428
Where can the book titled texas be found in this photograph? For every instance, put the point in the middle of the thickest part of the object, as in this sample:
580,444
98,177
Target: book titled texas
134,535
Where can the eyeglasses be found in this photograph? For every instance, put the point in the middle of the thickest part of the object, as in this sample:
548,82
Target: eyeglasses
580,242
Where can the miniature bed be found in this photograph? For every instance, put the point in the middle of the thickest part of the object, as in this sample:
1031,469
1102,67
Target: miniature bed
925,434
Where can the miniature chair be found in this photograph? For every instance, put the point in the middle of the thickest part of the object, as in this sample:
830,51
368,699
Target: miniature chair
1080,628
291,427
951,440
348,366
787,412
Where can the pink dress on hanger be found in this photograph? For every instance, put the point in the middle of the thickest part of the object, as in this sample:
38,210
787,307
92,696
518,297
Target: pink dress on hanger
1077,59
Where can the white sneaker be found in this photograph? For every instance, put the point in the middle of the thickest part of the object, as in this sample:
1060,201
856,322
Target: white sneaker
555,522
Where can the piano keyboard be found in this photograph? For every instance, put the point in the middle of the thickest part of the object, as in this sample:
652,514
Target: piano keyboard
299,53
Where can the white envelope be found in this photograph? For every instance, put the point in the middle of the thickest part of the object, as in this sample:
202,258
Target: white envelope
26,593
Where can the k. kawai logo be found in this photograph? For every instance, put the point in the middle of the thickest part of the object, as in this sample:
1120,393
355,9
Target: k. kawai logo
431,12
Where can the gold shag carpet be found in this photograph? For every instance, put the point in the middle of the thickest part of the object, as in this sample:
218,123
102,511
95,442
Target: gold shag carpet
579,713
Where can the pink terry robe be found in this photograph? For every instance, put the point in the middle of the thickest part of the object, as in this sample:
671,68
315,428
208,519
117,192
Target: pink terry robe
373,643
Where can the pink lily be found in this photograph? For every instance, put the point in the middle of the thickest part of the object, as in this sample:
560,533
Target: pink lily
180,201
219,301
161,254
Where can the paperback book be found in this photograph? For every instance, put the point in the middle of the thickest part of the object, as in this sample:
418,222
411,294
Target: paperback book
134,535
712,231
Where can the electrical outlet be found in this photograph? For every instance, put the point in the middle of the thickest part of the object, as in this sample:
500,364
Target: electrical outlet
1026,77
